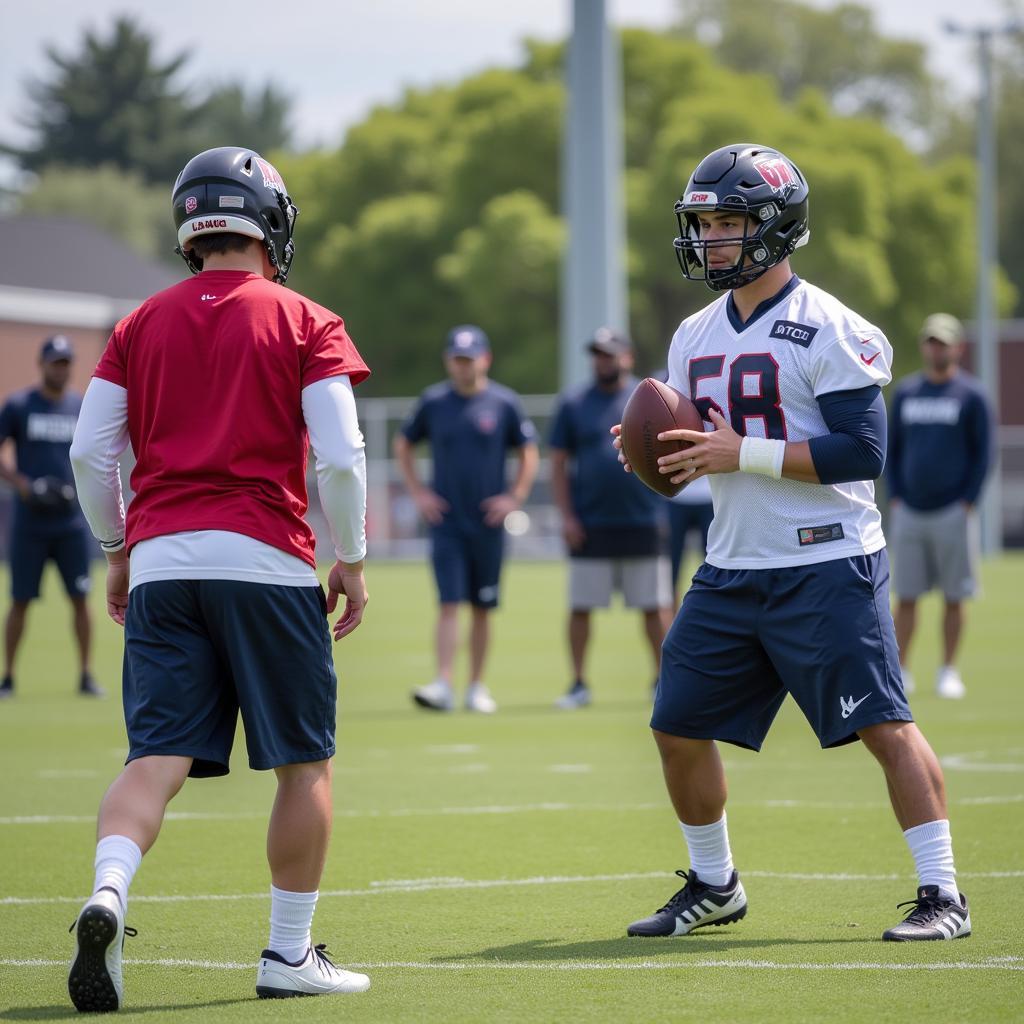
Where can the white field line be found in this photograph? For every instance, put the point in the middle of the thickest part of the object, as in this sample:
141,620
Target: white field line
1008,963
409,885
490,809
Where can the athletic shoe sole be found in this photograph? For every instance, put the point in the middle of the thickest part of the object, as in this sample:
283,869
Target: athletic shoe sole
89,983
736,915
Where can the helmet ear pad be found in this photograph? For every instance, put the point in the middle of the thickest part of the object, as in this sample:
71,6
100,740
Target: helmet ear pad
762,184
234,190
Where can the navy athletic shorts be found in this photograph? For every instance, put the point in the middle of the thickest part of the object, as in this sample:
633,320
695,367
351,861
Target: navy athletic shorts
198,652
467,566
30,553
744,638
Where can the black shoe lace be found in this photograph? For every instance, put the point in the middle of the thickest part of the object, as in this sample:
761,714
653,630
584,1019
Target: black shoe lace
922,910
684,895
321,953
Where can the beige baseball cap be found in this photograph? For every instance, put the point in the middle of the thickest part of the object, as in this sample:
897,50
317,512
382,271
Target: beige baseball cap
943,328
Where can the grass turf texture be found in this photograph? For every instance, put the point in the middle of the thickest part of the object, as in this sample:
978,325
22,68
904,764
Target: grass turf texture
486,868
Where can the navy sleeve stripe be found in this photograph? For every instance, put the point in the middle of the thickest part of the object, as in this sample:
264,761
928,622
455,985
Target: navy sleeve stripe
854,448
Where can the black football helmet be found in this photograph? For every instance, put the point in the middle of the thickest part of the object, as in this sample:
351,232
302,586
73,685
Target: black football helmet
758,182
230,189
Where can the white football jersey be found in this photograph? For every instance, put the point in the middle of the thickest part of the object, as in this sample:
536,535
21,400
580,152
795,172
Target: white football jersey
765,377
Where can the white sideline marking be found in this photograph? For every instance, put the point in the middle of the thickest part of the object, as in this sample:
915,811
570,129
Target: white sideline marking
970,763
1007,963
407,885
429,812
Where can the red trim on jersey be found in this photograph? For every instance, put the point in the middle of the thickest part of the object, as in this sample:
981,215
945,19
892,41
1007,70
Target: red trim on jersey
214,368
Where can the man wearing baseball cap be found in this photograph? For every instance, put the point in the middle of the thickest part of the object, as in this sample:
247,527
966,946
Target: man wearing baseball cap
940,448
471,423
610,521
47,523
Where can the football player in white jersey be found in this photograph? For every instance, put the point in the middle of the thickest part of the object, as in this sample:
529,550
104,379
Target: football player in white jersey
793,597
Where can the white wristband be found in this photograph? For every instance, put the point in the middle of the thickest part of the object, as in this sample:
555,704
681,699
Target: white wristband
762,455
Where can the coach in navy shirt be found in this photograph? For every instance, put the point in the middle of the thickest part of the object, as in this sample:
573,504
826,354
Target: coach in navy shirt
609,519
47,523
471,423
940,444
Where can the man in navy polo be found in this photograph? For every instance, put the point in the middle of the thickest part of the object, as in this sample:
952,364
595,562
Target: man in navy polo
610,520
940,448
471,423
47,523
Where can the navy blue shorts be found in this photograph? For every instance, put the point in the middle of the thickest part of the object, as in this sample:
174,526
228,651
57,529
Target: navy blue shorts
198,652
744,638
467,566
30,553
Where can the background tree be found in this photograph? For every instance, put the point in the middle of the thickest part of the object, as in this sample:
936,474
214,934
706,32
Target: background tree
113,102
117,201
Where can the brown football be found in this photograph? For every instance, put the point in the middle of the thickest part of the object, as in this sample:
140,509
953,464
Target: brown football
652,408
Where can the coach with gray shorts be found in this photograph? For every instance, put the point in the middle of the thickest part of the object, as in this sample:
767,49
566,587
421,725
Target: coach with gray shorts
609,519
940,448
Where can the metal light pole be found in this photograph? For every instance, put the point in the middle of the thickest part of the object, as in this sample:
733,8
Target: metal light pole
593,279
987,324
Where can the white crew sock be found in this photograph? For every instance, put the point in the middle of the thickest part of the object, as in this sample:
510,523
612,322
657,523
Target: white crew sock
117,860
932,849
291,917
710,855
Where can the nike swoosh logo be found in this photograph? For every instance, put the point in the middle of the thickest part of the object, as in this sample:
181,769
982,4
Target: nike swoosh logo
868,362
848,709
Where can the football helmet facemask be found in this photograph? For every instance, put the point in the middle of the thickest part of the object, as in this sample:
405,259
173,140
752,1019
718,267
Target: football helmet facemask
766,189
231,189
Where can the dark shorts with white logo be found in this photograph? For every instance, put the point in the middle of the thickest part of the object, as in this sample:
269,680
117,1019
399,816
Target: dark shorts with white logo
200,652
467,565
744,638
30,553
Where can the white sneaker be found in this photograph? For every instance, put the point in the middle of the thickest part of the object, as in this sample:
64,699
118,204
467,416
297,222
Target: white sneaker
949,684
478,698
94,981
908,681
437,696
313,975
577,697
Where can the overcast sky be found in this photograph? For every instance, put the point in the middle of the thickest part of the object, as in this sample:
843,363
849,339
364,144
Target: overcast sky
337,58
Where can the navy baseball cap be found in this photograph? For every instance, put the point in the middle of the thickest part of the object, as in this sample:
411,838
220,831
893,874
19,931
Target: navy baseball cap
609,342
56,348
467,340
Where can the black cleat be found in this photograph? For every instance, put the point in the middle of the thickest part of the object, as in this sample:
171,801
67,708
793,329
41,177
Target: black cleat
88,687
695,906
7,687
932,917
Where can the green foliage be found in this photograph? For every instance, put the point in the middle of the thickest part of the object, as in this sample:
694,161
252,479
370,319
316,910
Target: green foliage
443,208
113,102
117,201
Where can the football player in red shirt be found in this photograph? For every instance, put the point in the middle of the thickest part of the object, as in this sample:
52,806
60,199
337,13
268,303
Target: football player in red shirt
221,384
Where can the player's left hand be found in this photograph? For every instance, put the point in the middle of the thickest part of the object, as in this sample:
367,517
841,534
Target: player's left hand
497,507
347,580
117,587
714,451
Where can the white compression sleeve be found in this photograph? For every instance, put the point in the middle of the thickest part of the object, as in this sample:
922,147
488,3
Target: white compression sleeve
101,435
329,409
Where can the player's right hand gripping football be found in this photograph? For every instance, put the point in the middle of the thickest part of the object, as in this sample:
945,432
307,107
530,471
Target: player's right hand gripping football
347,579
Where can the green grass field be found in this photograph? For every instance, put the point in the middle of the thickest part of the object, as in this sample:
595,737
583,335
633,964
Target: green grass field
484,869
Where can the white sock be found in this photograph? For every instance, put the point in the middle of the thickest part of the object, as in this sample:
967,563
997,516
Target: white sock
291,917
710,855
117,860
932,849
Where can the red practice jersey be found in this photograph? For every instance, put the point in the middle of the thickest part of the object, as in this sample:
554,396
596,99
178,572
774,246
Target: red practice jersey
214,368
